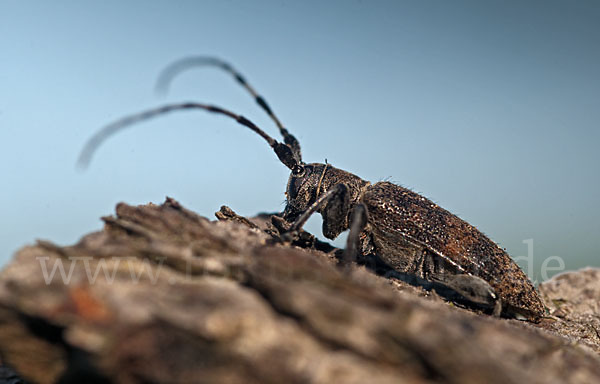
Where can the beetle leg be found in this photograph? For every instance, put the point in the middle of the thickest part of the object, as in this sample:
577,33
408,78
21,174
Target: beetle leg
497,308
474,289
422,265
358,222
338,192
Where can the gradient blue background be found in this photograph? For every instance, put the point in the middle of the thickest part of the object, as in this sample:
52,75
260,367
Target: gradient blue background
489,108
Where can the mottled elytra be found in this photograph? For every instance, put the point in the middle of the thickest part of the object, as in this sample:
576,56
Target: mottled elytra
388,223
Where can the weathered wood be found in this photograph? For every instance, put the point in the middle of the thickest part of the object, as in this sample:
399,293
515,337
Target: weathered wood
185,299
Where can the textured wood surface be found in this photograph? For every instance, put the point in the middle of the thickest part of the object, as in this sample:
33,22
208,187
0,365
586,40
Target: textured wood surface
185,299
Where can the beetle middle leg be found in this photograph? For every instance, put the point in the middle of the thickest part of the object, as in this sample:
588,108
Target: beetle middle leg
358,222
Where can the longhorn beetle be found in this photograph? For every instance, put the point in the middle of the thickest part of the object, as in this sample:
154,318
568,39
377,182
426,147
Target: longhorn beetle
408,232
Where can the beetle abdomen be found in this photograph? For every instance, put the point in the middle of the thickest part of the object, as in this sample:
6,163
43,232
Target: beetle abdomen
396,211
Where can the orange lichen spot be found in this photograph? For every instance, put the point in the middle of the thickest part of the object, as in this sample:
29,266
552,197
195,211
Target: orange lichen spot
87,306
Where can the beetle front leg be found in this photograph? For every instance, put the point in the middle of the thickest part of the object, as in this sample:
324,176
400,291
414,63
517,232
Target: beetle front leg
336,197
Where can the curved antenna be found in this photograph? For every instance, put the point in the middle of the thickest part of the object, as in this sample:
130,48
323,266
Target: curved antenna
175,68
283,151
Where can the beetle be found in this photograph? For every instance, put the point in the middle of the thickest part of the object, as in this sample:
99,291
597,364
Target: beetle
406,231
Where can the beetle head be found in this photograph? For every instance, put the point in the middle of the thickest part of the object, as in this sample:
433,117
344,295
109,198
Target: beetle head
302,188
309,181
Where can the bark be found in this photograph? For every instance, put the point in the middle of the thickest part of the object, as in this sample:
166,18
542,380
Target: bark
164,295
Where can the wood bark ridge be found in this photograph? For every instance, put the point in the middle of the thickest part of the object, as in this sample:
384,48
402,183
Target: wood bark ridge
162,295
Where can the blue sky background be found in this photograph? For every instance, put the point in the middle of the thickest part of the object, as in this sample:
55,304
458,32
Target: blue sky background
489,108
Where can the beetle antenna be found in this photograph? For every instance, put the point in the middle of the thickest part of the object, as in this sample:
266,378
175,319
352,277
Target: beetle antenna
283,151
181,65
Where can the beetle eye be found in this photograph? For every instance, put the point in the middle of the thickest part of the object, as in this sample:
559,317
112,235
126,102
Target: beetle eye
298,171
